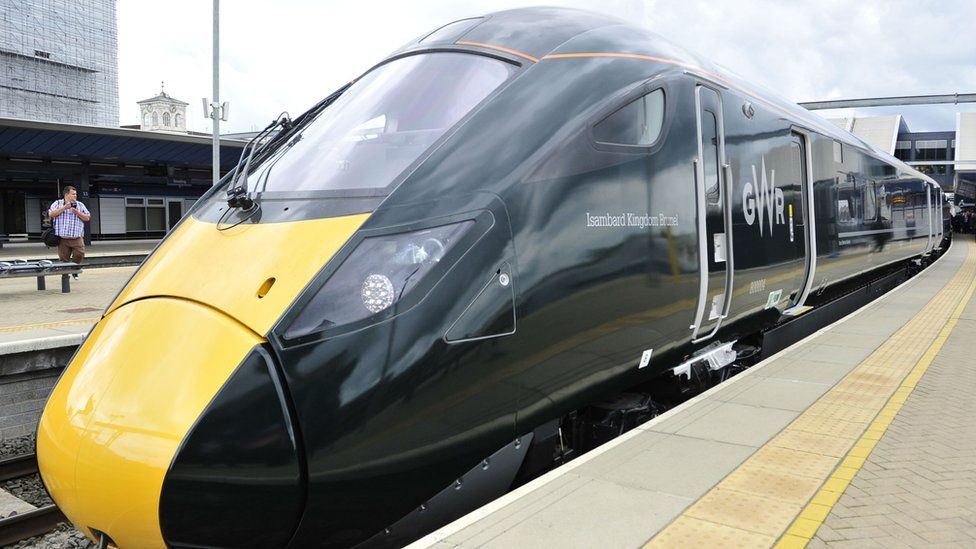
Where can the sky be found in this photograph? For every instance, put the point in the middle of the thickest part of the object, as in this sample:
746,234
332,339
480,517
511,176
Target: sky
287,54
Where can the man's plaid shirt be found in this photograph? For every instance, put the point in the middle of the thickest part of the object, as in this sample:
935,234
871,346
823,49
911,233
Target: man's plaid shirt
68,225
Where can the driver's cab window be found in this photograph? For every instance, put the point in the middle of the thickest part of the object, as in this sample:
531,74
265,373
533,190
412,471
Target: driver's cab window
636,123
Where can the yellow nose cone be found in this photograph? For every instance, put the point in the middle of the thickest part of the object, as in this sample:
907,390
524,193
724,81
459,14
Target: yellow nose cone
251,272
115,420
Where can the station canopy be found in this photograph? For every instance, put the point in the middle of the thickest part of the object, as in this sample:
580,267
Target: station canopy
880,131
46,140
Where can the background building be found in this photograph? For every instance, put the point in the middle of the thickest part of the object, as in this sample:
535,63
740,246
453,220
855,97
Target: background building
137,184
59,61
162,112
965,157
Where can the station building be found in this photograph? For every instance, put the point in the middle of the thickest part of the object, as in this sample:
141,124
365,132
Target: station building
137,183
59,61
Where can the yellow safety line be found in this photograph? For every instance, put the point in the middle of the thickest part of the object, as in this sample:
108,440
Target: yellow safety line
813,515
42,325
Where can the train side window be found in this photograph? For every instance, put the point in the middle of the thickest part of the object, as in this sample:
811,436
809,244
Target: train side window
884,205
844,211
636,123
869,199
710,154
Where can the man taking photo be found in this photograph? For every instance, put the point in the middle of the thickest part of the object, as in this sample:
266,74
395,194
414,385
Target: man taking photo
70,217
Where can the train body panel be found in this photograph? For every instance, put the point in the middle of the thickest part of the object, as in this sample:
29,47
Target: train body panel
492,228
117,417
251,272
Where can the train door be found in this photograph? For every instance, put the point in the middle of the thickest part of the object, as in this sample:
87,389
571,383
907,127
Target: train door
802,226
941,207
928,213
714,211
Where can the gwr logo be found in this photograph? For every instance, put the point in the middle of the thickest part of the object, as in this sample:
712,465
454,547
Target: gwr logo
760,203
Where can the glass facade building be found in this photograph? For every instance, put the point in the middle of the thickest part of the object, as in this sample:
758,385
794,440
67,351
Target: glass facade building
59,61
917,148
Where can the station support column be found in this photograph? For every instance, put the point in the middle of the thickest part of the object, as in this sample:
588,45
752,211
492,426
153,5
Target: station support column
84,195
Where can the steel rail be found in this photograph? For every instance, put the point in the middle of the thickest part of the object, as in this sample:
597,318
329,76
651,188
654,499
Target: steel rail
18,466
32,523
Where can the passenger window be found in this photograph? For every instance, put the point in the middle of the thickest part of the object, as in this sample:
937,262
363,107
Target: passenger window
844,211
884,204
869,199
637,123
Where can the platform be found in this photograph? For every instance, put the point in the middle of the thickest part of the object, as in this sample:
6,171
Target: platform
39,331
30,314
860,435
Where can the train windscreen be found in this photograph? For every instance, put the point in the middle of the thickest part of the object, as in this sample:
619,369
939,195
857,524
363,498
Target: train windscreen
382,124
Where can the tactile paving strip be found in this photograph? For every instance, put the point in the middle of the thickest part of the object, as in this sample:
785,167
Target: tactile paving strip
744,511
692,532
760,500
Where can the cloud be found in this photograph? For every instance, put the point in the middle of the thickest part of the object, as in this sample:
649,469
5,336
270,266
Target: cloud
834,49
289,54
282,56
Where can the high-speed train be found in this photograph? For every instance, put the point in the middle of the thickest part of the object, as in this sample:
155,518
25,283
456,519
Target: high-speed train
398,306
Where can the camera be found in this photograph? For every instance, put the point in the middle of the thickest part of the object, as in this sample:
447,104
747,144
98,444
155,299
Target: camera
74,204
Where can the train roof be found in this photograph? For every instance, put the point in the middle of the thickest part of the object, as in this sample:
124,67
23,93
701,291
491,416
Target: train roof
533,35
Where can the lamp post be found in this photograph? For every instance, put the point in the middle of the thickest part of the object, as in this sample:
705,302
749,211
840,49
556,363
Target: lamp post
216,110
216,91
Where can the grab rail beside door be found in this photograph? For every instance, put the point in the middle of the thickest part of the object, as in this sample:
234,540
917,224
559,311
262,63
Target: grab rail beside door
702,248
724,176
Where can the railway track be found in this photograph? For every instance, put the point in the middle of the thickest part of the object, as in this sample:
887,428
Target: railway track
17,466
32,523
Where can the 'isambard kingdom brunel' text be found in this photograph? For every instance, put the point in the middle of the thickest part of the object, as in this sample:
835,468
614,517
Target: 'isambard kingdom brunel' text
626,219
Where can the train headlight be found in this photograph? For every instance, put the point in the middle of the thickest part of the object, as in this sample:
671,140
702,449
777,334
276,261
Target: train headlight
376,277
378,293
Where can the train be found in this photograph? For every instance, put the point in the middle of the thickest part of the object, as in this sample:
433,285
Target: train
407,300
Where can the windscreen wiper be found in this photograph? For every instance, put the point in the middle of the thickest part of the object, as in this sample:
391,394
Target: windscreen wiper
237,195
261,146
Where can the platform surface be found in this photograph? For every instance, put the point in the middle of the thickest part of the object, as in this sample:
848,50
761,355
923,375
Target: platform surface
863,426
917,488
29,315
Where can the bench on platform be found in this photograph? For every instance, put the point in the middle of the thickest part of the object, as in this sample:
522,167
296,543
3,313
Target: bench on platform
20,268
